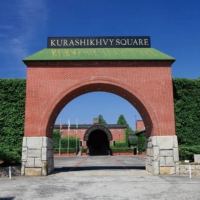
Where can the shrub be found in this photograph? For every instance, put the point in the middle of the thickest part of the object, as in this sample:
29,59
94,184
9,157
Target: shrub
12,110
120,144
142,142
84,150
187,110
187,152
125,149
10,156
65,150
64,141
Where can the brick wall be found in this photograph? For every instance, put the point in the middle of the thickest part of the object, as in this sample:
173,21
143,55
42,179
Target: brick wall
140,125
147,85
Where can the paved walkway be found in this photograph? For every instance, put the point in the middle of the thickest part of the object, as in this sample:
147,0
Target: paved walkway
100,177
91,163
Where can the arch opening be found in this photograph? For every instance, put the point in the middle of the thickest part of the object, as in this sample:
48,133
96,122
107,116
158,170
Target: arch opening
133,97
98,139
98,143
124,90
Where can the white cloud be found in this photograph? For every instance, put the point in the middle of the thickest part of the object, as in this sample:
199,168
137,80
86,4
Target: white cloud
32,17
20,23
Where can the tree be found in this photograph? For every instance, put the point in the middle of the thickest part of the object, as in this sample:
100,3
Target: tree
122,121
101,120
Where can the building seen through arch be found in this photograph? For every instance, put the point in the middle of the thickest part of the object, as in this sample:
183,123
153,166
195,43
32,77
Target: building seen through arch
96,138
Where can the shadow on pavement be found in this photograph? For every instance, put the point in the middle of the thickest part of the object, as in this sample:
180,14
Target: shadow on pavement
68,169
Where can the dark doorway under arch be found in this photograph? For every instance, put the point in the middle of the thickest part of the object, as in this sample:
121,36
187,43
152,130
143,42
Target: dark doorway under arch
98,143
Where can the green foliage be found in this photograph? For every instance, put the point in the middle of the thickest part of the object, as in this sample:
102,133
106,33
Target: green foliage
141,142
122,121
187,152
12,110
120,145
122,149
187,110
102,120
56,138
84,150
10,156
64,141
72,142
65,150
133,142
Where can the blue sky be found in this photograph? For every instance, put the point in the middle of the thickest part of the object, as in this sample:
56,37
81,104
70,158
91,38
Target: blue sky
174,28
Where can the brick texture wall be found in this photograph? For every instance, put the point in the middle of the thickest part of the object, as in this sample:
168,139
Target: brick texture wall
51,85
140,125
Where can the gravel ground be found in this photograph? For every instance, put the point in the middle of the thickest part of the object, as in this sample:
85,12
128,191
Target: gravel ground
100,177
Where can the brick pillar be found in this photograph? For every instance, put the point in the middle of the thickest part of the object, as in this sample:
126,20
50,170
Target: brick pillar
37,156
162,155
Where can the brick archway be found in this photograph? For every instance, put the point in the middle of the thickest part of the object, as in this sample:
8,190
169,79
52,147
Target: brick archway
126,91
146,84
98,127
98,138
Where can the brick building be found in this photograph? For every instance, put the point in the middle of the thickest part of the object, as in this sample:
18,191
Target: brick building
117,132
140,125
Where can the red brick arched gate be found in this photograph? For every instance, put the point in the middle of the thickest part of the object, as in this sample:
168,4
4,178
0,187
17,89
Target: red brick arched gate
142,76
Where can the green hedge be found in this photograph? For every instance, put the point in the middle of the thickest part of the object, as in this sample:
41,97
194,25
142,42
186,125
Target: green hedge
122,150
142,142
12,109
65,150
187,110
133,142
64,141
187,152
120,144
115,149
84,150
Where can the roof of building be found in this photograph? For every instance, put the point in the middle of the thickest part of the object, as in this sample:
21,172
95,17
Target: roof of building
133,137
86,126
77,54
140,132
